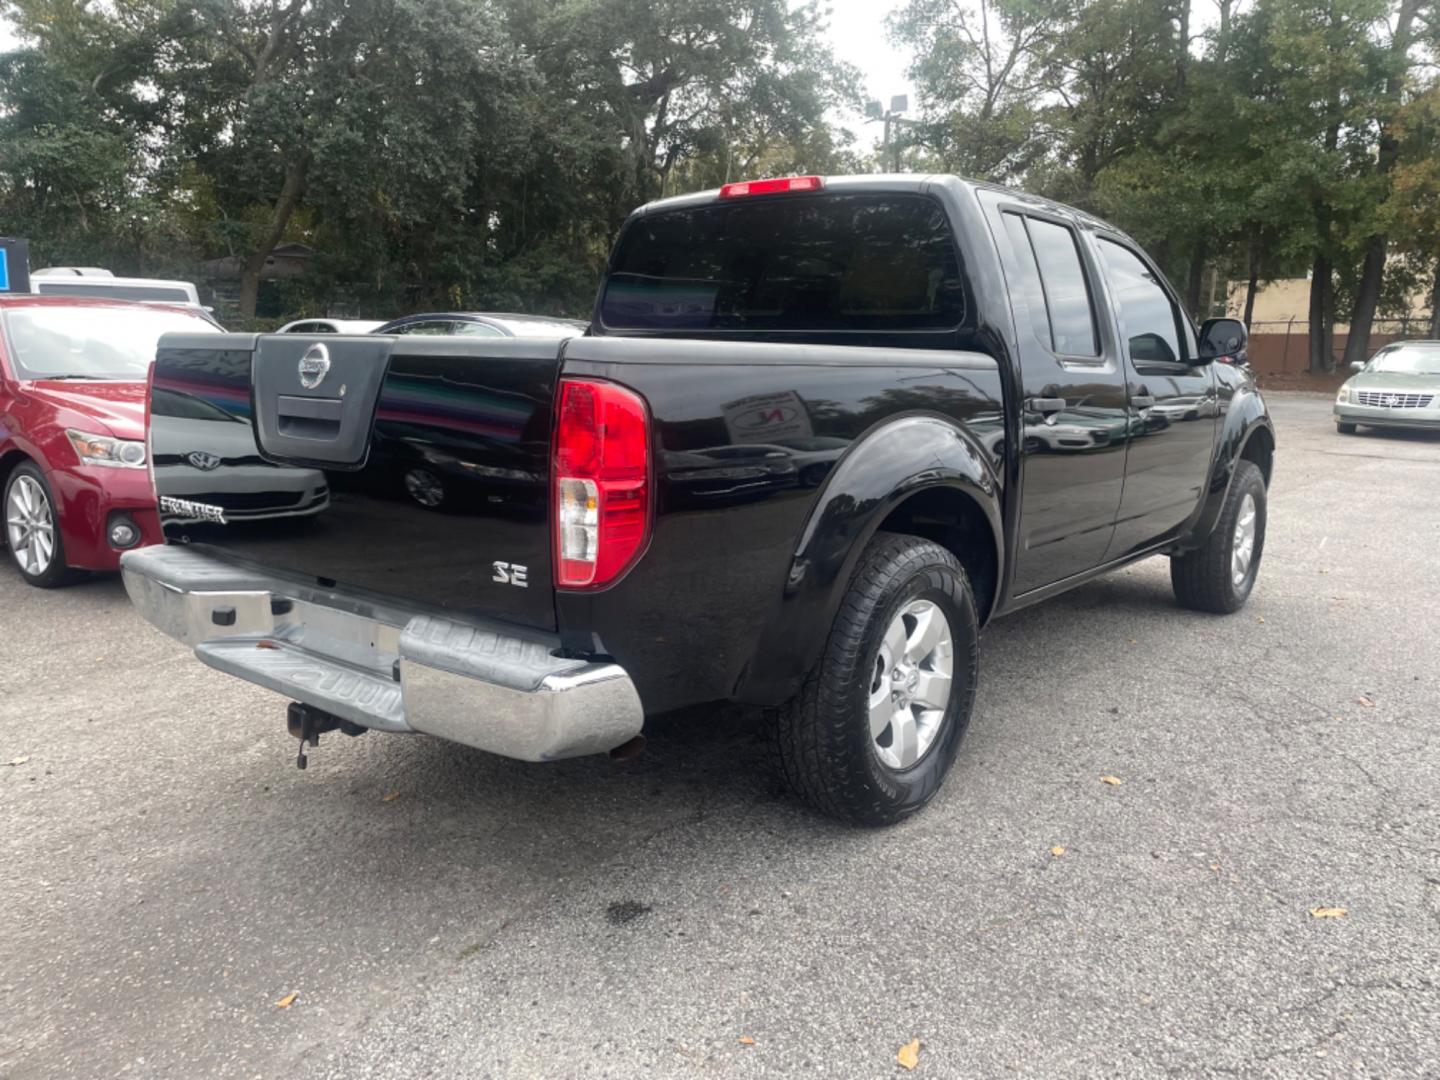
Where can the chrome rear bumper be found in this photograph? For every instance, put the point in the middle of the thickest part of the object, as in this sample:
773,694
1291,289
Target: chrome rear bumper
366,659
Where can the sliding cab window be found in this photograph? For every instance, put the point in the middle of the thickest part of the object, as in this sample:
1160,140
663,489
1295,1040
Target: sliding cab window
1054,283
825,263
1151,321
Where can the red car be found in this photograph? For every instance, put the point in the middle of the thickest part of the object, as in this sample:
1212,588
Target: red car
76,487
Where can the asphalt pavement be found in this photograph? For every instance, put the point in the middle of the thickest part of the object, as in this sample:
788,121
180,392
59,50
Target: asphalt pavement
169,880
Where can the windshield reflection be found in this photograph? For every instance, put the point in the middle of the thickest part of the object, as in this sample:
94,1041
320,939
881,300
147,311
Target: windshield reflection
1407,360
92,342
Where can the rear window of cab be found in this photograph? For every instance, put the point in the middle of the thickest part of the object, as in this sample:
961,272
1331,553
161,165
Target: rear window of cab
789,263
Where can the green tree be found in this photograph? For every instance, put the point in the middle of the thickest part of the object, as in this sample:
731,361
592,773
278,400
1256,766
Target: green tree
977,70
1399,60
1319,77
349,103
1412,212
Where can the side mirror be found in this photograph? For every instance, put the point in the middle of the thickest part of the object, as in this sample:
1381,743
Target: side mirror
1223,339
1357,365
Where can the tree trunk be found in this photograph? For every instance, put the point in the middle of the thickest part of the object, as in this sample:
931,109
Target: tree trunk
1434,334
1182,55
1322,324
1195,279
290,192
1367,298
1252,285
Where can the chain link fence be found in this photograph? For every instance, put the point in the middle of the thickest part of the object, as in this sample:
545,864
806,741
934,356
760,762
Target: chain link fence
1282,346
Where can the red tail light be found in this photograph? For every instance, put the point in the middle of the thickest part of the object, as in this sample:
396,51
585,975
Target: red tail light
601,482
771,187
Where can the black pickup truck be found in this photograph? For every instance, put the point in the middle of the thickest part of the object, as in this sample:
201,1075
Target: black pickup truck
818,433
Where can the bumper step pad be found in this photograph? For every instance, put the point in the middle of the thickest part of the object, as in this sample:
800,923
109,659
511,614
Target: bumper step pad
363,697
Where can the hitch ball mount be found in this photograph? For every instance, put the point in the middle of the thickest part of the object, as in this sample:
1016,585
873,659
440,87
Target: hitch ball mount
307,723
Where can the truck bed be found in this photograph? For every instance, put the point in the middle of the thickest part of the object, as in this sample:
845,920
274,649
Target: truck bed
745,439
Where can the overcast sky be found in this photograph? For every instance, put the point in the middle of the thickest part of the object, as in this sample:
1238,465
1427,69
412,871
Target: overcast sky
857,31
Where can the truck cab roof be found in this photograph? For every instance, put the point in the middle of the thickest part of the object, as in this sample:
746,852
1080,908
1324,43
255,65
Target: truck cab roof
918,183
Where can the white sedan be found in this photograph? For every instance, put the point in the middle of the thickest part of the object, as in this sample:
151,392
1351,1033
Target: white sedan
330,326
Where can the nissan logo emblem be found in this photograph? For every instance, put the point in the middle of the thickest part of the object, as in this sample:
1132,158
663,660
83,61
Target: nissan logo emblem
314,366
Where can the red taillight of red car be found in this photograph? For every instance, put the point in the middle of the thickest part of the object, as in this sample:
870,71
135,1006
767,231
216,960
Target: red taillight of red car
601,470
777,186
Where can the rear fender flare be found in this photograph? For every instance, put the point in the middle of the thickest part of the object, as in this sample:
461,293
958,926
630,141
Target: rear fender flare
882,469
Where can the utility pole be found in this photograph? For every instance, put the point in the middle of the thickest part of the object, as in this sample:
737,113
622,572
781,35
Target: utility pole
899,103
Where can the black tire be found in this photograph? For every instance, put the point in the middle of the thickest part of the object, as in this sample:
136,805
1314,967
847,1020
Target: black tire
56,573
822,740
1344,429
1204,579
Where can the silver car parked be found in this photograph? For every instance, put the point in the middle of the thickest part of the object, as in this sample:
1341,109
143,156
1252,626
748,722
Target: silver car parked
1399,387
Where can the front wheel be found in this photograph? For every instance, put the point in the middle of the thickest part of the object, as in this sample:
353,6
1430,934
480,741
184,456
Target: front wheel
878,723
1219,576
425,488
32,529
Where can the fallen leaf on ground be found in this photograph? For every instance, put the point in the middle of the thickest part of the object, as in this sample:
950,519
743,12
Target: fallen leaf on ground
1215,866
1113,781
1329,912
1260,618
1133,641
1364,700
18,760
909,1055
746,1040
287,1000
1057,851
391,797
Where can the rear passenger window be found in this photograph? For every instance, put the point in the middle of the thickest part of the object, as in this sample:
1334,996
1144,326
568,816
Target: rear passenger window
1067,296
1151,326
1054,284
1029,284
435,328
475,329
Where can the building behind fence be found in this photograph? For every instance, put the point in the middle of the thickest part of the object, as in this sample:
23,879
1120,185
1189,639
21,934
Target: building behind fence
1281,346
1280,329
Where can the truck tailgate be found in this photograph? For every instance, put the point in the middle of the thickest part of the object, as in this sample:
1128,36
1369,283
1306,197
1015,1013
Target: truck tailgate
414,467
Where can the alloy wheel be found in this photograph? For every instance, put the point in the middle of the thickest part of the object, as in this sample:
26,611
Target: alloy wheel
910,690
425,487
1242,550
30,526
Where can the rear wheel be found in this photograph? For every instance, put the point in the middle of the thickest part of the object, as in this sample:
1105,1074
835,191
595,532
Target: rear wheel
32,529
1219,576
1344,429
878,723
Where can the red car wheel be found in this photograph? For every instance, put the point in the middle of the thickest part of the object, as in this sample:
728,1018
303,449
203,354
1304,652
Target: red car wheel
32,529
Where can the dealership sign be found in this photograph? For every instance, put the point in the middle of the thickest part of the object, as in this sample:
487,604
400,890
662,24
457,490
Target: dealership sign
14,265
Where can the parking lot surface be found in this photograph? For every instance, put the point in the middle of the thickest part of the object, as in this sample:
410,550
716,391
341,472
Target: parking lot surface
167,875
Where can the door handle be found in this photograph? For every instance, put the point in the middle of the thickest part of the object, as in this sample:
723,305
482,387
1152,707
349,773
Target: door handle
1045,404
1142,401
